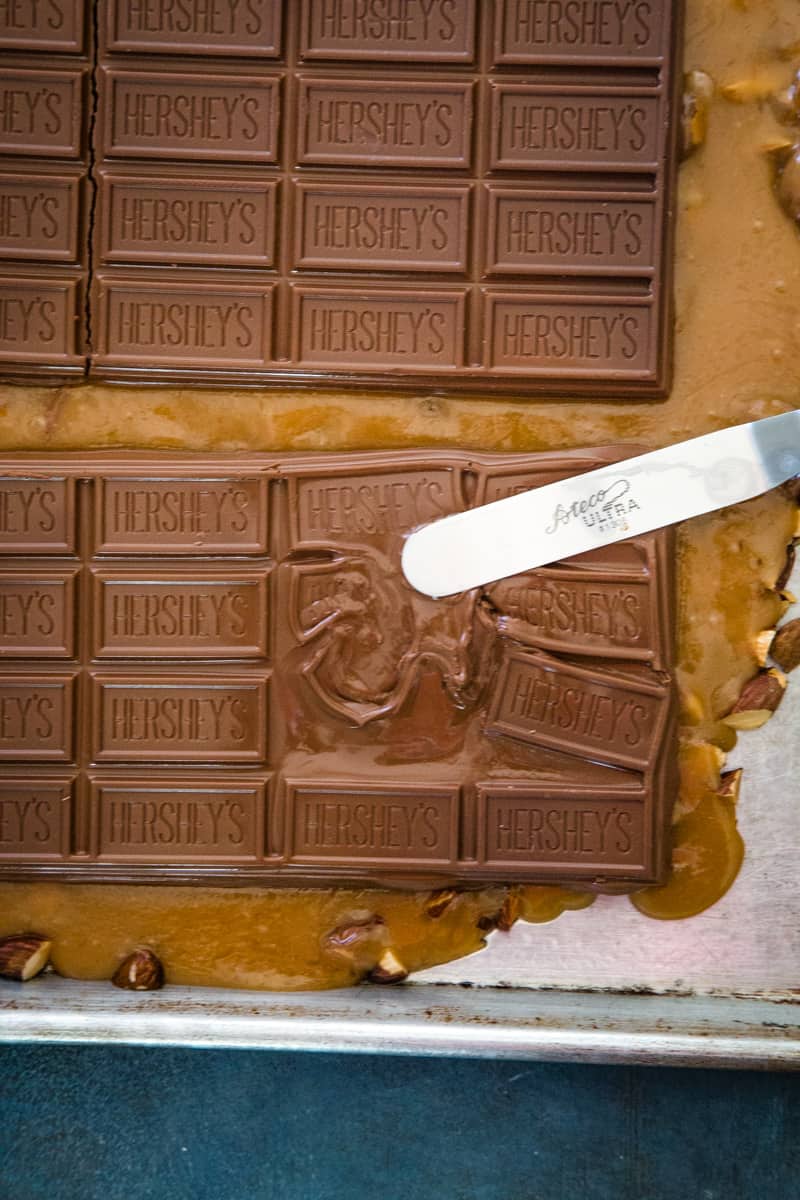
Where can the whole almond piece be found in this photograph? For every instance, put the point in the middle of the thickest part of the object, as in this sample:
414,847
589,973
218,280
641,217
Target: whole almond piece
764,691
139,972
786,645
23,956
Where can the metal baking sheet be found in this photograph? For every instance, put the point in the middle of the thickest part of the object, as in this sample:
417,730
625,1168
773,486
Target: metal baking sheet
418,1019
605,984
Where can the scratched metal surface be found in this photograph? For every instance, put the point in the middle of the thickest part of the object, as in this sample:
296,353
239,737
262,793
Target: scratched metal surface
555,991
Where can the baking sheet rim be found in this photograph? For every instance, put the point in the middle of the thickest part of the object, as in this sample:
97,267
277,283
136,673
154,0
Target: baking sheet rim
421,1019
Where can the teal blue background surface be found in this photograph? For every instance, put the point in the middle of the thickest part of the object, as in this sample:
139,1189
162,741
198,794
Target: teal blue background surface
125,1123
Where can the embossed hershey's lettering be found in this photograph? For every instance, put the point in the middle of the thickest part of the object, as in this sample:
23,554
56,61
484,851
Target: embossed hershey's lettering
176,616
372,505
167,614
34,512
405,824
31,110
533,30
39,25
532,232
537,127
183,515
413,228
27,611
27,16
36,615
31,818
533,334
186,325
354,330
157,821
38,217
181,508
354,122
39,113
178,718
192,116
26,321
190,721
531,826
202,118
166,220
189,324
554,832
175,823
407,29
35,319
35,718
212,18
610,718
596,616
399,21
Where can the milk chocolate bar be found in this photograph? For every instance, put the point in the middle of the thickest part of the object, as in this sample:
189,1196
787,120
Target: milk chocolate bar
45,116
213,670
338,212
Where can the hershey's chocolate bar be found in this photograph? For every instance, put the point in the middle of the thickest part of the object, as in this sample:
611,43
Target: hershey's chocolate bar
45,193
339,215
213,670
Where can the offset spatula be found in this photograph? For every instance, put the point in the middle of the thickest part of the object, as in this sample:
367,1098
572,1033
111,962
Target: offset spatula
627,498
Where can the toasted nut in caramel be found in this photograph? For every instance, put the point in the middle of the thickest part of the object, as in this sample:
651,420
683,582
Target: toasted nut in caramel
504,917
698,89
509,913
786,104
763,691
786,645
388,969
763,645
730,784
437,902
359,942
23,956
751,718
344,937
788,184
139,972
759,699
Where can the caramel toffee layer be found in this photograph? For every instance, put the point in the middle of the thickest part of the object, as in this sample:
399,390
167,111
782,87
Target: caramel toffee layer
213,670
286,192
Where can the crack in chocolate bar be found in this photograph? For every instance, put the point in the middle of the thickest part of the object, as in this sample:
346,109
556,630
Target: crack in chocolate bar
214,670
280,192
